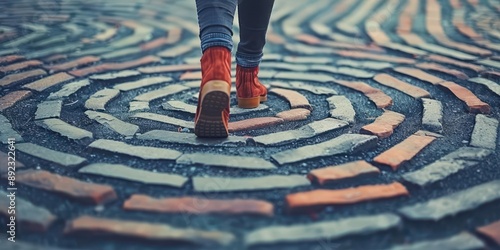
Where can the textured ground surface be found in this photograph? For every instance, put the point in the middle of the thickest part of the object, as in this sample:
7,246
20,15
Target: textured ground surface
380,130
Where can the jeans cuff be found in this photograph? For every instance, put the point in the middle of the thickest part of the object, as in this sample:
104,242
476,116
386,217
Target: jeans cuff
216,39
248,61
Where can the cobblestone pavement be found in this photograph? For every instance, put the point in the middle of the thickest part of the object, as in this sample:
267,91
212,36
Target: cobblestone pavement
380,132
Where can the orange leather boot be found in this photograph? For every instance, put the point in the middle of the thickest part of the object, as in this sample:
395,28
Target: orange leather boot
212,113
250,91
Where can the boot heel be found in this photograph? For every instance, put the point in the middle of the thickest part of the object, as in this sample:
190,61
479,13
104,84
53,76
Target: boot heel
249,103
214,99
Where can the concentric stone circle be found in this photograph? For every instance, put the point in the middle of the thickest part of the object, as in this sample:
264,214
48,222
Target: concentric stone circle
377,120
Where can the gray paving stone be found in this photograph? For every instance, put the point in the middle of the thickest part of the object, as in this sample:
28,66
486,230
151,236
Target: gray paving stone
341,108
485,132
93,51
147,153
4,166
239,111
344,144
4,52
447,165
462,241
145,82
68,89
284,66
52,50
494,87
23,245
428,133
445,51
308,131
99,99
191,109
138,36
192,139
159,93
302,86
60,158
455,203
194,84
121,52
135,106
114,75
48,109
132,174
28,216
308,59
67,130
432,118
121,127
176,51
353,72
404,48
308,50
328,230
490,63
164,119
267,74
222,184
179,106
302,76
38,32
243,162
6,131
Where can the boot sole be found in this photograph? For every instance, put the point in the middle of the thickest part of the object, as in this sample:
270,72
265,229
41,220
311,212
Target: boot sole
252,102
214,99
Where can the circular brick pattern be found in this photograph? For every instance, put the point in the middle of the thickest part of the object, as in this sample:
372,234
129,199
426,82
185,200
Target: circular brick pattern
381,115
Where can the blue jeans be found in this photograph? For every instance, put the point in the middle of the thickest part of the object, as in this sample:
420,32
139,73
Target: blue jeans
215,19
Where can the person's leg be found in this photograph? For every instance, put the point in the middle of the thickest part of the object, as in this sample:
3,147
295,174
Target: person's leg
254,16
215,19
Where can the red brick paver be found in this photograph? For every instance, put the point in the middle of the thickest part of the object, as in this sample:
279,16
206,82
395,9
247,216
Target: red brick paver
12,98
403,151
384,125
22,76
320,197
474,104
20,66
79,190
298,114
49,81
419,74
73,64
393,82
457,63
491,231
114,66
341,172
442,69
295,99
10,59
194,205
145,231
375,95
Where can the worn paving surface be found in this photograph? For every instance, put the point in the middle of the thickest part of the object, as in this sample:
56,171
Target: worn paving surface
381,130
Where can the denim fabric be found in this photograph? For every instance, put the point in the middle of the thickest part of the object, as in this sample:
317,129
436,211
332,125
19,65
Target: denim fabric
254,18
215,19
216,39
